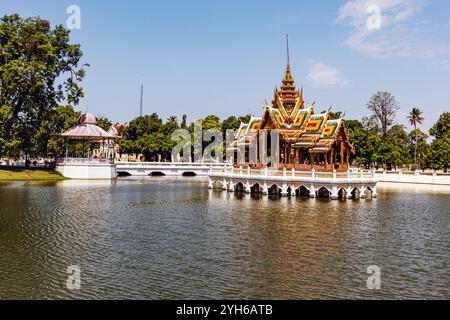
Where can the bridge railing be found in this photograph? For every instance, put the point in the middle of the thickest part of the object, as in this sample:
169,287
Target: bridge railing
85,161
269,172
171,164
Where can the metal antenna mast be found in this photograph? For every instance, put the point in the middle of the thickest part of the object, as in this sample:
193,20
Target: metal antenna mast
142,100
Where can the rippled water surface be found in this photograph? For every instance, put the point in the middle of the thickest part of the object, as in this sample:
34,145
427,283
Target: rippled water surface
159,238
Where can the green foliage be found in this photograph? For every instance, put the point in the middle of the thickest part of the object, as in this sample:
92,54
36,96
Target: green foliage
62,119
231,123
184,122
392,151
104,123
374,150
335,115
415,117
420,150
39,69
440,147
147,135
441,128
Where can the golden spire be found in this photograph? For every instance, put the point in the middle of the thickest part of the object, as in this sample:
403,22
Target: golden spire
300,96
288,93
287,50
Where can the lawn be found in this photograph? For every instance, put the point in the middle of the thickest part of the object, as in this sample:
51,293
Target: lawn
28,174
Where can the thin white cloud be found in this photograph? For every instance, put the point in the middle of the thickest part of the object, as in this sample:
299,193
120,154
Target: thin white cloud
445,65
324,76
398,35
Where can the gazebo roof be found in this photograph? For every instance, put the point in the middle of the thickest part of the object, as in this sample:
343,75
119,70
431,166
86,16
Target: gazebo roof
86,129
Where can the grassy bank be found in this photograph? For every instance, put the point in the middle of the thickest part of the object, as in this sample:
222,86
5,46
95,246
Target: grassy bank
28,174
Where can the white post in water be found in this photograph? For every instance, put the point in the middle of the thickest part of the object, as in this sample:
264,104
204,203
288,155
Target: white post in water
284,189
293,193
210,182
224,184
247,187
265,189
231,186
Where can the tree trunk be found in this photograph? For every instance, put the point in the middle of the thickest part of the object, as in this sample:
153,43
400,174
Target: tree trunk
415,150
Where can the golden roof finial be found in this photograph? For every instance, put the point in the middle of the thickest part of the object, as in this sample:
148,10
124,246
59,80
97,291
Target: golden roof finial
288,93
287,50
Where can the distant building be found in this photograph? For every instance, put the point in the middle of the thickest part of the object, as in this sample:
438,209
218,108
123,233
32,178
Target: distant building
111,150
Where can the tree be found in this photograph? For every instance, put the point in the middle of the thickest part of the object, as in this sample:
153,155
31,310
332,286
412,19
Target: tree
358,138
139,136
39,69
230,123
440,147
415,117
150,137
335,115
61,120
395,145
366,140
184,122
172,119
441,128
383,106
419,148
104,123
245,119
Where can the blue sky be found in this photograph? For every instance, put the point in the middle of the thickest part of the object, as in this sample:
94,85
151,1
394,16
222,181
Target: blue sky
226,57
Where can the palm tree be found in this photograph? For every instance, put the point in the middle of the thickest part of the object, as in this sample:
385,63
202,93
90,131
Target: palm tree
172,119
415,117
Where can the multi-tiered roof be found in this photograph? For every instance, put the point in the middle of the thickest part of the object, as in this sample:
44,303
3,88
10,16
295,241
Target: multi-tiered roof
297,125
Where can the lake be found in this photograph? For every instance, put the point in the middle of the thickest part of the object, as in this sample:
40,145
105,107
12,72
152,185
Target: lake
172,238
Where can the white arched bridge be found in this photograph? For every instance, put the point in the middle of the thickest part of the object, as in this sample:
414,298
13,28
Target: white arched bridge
165,168
334,185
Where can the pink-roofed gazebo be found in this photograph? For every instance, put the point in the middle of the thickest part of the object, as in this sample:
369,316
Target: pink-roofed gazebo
99,167
87,130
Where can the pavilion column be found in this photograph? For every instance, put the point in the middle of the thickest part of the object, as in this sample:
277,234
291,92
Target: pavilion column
258,160
347,159
114,148
289,153
342,153
285,152
331,157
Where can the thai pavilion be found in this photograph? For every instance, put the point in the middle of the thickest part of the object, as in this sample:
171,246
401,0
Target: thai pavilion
291,150
307,140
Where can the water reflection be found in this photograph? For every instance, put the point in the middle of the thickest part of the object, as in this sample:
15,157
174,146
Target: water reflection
174,238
